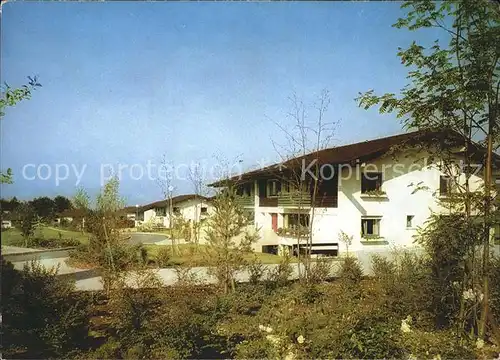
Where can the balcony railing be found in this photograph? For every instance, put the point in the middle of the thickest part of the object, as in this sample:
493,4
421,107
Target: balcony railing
295,199
298,200
245,200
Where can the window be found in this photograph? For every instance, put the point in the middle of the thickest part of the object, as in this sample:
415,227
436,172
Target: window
177,210
371,181
409,221
160,211
244,190
294,221
285,187
497,234
204,210
444,185
273,187
370,228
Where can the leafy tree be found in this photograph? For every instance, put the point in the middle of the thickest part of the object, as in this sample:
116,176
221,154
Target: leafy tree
109,199
227,237
456,87
10,97
28,220
107,248
44,207
81,200
9,205
62,203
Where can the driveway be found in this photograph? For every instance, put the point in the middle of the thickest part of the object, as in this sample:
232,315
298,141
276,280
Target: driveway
147,238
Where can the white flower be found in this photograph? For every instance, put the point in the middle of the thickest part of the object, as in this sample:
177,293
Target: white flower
273,339
479,343
269,329
301,339
437,357
262,328
412,357
480,296
405,327
469,294
405,324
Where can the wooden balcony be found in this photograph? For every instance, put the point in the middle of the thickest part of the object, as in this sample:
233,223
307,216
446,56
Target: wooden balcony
268,201
294,200
299,200
245,201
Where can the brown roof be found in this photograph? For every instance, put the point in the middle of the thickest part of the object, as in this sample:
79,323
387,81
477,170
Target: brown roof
130,209
361,151
175,200
73,213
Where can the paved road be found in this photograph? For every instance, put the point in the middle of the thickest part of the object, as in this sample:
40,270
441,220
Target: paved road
147,238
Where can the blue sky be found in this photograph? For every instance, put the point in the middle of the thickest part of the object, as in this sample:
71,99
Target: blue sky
127,82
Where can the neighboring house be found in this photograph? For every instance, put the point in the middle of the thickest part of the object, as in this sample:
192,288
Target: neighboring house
10,219
6,224
131,212
70,215
191,207
368,191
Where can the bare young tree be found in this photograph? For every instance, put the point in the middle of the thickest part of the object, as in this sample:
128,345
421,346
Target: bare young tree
165,183
197,178
305,137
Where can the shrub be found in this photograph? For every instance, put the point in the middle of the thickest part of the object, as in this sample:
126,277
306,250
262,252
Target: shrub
117,257
259,348
163,256
279,276
449,242
495,289
42,316
405,282
256,270
108,350
51,243
350,270
382,268
320,270
426,345
373,337
133,310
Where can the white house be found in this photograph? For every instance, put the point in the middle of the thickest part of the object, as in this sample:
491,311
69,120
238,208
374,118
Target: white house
6,224
378,192
191,207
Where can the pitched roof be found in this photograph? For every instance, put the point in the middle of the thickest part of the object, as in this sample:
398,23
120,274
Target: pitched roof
130,209
175,200
73,213
361,151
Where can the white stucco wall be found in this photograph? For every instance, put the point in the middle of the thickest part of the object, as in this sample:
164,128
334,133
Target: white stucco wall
400,201
190,210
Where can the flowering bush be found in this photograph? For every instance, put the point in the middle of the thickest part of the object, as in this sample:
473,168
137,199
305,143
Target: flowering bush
445,344
302,231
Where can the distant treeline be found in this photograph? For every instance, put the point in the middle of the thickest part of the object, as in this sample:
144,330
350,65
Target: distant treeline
45,207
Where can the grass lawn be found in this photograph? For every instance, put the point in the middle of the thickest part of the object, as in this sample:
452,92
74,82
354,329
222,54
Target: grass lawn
13,237
187,254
